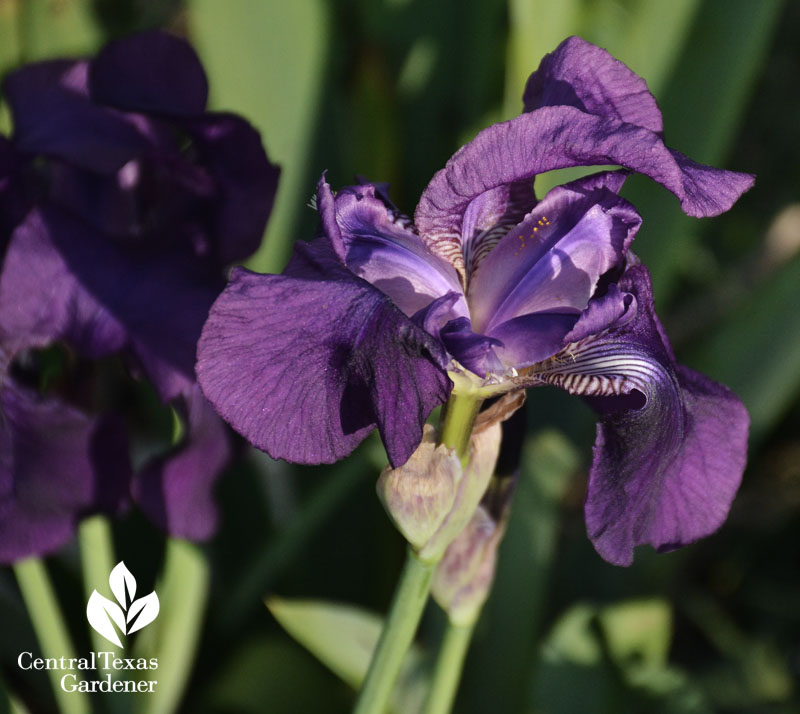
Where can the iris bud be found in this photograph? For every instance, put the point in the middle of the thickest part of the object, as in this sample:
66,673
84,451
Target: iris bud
431,498
465,574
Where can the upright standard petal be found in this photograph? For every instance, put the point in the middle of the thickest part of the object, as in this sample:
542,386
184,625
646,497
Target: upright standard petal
553,259
306,368
465,239
580,74
530,290
385,252
151,72
671,444
559,137
489,217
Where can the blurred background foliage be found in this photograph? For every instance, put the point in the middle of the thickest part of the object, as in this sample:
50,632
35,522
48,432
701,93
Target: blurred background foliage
389,89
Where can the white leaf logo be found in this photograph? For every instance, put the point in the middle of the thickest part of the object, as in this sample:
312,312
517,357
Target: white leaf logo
123,584
101,612
142,612
129,615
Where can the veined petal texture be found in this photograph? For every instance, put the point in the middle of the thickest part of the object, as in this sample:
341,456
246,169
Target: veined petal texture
305,368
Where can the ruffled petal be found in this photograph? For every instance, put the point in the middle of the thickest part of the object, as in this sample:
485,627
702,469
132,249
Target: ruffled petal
580,74
384,252
671,444
57,465
306,368
558,137
473,351
176,491
149,72
434,316
611,309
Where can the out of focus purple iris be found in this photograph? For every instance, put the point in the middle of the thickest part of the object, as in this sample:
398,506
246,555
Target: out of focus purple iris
492,289
122,201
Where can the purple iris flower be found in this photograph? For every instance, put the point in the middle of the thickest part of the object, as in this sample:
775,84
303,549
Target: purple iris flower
122,202
491,289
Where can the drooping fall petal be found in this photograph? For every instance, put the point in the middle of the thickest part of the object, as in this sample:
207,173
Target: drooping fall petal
305,369
671,444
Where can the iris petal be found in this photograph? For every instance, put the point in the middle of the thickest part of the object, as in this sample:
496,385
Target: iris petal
150,72
671,444
51,289
57,465
580,74
54,116
488,218
529,291
175,491
531,338
555,137
42,300
244,179
386,253
306,368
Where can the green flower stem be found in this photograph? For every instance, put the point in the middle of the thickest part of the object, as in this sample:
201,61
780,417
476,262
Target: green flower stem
183,591
456,429
449,664
414,587
97,561
398,632
51,630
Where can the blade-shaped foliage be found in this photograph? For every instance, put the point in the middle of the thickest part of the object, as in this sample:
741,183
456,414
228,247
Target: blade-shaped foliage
343,638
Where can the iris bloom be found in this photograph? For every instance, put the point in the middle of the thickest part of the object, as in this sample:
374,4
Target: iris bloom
492,289
121,201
